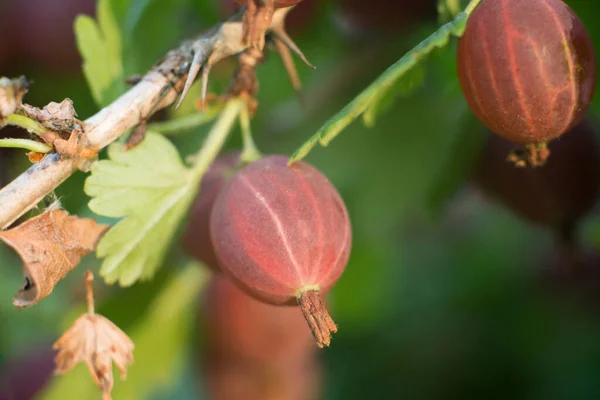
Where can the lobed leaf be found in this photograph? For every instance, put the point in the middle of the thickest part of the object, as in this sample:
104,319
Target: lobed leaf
151,189
99,44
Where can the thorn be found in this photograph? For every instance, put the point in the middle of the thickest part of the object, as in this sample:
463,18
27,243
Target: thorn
278,30
290,67
197,62
205,72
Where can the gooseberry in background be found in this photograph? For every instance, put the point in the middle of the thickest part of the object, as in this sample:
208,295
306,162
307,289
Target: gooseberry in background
283,233
386,15
246,330
527,68
559,194
24,376
227,381
253,350
45,34
195,239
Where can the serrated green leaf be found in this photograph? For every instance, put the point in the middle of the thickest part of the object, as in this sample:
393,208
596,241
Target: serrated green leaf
99,44
151,188
160,339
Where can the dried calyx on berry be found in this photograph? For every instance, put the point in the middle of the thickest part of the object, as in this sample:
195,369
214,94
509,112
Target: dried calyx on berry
283,233
528,71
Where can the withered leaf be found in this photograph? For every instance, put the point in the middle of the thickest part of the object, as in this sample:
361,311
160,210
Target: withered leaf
97,341
58,117
50,245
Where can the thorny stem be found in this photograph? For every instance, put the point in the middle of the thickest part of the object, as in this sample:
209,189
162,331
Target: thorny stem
25,123
89,277
319,321
250,152
26,144
159,88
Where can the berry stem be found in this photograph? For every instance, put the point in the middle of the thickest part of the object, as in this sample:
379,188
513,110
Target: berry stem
319,321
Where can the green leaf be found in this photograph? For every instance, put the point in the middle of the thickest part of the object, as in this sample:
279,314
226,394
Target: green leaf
160,339
100,46
384,84
151,189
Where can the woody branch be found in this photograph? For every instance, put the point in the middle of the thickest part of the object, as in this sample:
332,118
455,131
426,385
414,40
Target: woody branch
158,89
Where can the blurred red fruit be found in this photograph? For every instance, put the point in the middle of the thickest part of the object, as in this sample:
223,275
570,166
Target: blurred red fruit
255,350
196,236
246,382
244,329
396,15
45,35
22,377
558,194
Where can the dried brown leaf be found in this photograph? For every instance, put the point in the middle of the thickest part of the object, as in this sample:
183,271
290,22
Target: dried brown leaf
58,117
50,245
12,92
96,341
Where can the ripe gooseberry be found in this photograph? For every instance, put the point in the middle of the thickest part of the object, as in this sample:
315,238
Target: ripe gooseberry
527,68
284,234
195,239
556,195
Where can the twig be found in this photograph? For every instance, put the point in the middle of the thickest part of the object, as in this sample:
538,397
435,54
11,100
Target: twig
158,89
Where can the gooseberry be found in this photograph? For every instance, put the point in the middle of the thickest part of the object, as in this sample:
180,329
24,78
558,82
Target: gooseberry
232,381
242,328
556,195
195,239
527,68
254,350
283,233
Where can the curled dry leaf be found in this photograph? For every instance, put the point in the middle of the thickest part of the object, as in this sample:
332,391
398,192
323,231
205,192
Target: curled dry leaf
51,245
58,117
96,341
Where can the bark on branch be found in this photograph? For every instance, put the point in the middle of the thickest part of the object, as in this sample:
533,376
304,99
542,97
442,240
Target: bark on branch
158,89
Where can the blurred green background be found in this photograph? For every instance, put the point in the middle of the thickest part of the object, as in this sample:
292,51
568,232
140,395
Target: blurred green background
447,295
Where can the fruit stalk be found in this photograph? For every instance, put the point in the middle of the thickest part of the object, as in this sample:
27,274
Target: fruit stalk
319,321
